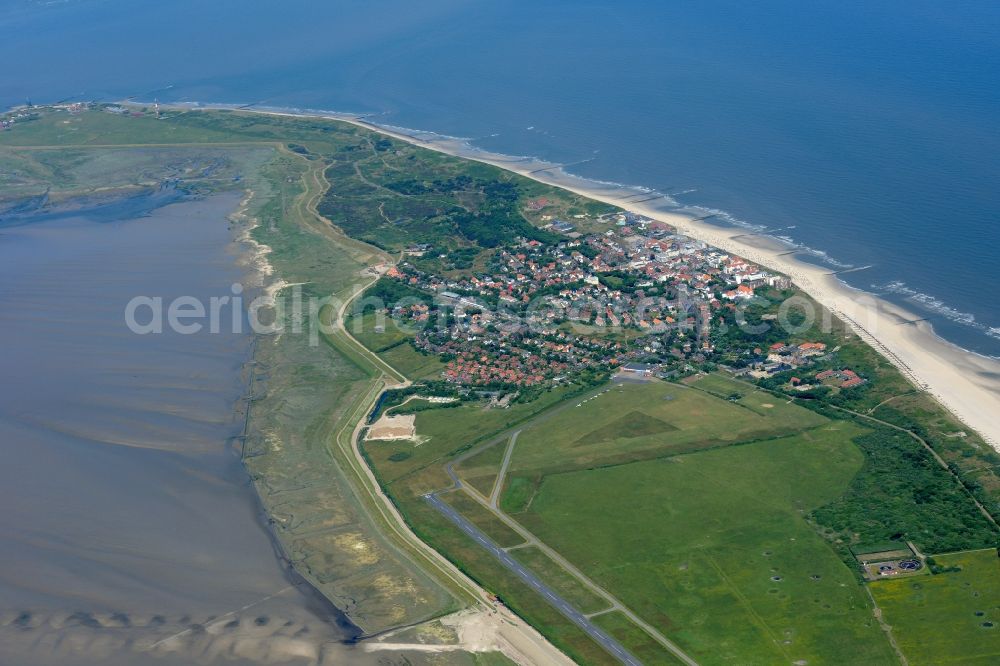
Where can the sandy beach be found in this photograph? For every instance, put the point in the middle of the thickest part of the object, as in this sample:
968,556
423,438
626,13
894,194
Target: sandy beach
967,384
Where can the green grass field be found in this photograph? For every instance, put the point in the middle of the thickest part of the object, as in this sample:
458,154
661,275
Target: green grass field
639,643
364,328
95,128
436,530
480,470
565,585
639,421
947,618
712,548
412,363
491,659
446,432
491,526
382,335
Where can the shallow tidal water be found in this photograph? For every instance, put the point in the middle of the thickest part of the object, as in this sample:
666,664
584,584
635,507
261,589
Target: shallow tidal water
867,132
130,532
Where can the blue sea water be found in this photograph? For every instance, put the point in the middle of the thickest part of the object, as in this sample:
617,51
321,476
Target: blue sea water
867,131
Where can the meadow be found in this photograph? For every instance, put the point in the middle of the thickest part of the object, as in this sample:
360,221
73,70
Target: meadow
950,617
696,504
480,470
712,547
445,432
391,342
559,580
638,421
436,530
638,641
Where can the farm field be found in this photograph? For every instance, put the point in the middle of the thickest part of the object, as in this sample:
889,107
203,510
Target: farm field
712,547
968,598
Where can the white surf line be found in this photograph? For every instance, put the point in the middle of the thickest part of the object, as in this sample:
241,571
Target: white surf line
222,617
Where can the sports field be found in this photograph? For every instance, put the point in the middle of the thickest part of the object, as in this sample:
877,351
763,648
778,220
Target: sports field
969,599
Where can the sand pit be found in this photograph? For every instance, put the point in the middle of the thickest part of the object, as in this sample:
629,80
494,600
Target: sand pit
402,426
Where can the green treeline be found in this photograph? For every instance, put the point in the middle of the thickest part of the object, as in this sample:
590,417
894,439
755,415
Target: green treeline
903,493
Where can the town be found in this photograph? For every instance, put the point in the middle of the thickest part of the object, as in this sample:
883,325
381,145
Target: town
635,297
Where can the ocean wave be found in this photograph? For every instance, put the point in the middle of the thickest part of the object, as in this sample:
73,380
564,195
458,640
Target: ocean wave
668,200
936,305
468,146
634,189
824,257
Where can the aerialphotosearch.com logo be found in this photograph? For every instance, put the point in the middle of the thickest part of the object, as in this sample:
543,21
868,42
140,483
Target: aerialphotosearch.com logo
264,314
453,316
230,313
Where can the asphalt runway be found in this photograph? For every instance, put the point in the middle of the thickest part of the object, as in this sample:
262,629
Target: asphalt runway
572,614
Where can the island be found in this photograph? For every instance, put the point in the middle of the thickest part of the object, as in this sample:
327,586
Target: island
494,419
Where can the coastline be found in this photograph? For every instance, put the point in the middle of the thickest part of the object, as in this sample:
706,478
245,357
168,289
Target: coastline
252,258
482,627
862,311
965,383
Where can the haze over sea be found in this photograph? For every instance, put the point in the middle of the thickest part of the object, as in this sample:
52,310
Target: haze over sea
865,131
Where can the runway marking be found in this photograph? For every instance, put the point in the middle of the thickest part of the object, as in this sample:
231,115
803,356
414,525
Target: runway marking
528,577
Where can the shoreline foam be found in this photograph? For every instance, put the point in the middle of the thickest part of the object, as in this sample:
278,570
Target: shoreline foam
964,382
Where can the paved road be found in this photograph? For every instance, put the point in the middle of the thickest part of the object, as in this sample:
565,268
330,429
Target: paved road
498,484
560,604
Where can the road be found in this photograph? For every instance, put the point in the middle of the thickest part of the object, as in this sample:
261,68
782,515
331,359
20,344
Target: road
607,642
571,613
532,540
526,642
498,484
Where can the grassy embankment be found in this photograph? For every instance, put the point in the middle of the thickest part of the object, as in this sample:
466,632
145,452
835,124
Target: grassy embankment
737,479
408,477
300,448
306,396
